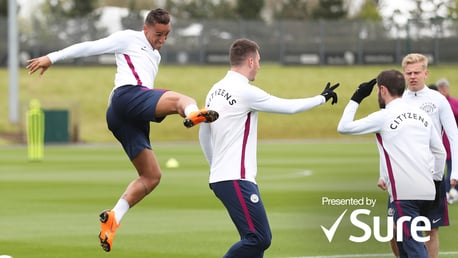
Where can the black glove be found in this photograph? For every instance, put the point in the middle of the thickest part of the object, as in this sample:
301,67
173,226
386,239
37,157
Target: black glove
438,185
328,92
363,91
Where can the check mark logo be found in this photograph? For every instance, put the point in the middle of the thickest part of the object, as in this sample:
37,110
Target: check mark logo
331,231
436,220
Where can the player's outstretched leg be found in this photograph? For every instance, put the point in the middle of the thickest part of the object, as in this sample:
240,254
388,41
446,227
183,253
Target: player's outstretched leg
108,229
200,116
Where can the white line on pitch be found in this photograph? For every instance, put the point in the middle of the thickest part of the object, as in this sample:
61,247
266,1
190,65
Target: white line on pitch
366,255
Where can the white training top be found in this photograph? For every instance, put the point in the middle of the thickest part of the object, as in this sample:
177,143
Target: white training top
230,143
439,109
137,62
411,151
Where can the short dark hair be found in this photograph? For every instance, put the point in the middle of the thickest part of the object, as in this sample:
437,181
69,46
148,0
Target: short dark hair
432,86
240,50
393,80
158,15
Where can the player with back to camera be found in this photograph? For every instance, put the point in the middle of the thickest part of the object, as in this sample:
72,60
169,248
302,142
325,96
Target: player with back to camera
411,152
133,104
229,144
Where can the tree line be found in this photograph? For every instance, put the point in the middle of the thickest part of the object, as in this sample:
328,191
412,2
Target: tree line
252,9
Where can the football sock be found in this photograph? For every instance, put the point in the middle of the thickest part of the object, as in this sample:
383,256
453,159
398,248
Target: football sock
120,209
190,108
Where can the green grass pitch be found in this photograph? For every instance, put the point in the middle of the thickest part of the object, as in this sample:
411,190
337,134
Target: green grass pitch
87,89
50,208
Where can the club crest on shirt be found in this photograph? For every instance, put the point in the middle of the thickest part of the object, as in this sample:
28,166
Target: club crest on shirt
254,198
428,107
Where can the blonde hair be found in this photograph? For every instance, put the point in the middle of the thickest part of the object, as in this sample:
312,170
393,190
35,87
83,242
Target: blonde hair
414,58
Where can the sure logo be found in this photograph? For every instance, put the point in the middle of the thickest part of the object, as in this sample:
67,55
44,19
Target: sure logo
417,224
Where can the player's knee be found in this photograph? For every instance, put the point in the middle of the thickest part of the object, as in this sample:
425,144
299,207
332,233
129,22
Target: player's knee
264,244
260,242
155,179
151,182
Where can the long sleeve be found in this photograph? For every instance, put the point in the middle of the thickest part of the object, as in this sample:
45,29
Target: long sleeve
449,126
109,44
438,108
264,102
438,151
205,142
370,124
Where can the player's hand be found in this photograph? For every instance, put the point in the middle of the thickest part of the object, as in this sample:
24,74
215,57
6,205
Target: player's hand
437,185
363,90
42,63
453,182
381,184
329,93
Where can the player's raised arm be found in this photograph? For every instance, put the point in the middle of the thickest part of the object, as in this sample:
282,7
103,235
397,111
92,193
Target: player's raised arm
363,91
42,63
328,92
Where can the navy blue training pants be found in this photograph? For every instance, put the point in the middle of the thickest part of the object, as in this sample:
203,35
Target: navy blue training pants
244,205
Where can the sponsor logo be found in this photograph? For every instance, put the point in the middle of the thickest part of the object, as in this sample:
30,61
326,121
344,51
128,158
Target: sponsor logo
370,225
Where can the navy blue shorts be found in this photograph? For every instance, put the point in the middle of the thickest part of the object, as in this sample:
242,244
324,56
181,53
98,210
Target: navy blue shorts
438,211
438,215
131,110
409,247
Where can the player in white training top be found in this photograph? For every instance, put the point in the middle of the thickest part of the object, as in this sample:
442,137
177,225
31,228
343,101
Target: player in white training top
415,67
411,151
133,104
229,144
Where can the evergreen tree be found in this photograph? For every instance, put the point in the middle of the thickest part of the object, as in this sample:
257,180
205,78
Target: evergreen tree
134,20
330,10
250,10
65,22
3,8
201,9
292,10
369,11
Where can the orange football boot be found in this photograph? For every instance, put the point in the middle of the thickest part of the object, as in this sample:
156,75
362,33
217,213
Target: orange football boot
200,116
108,229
